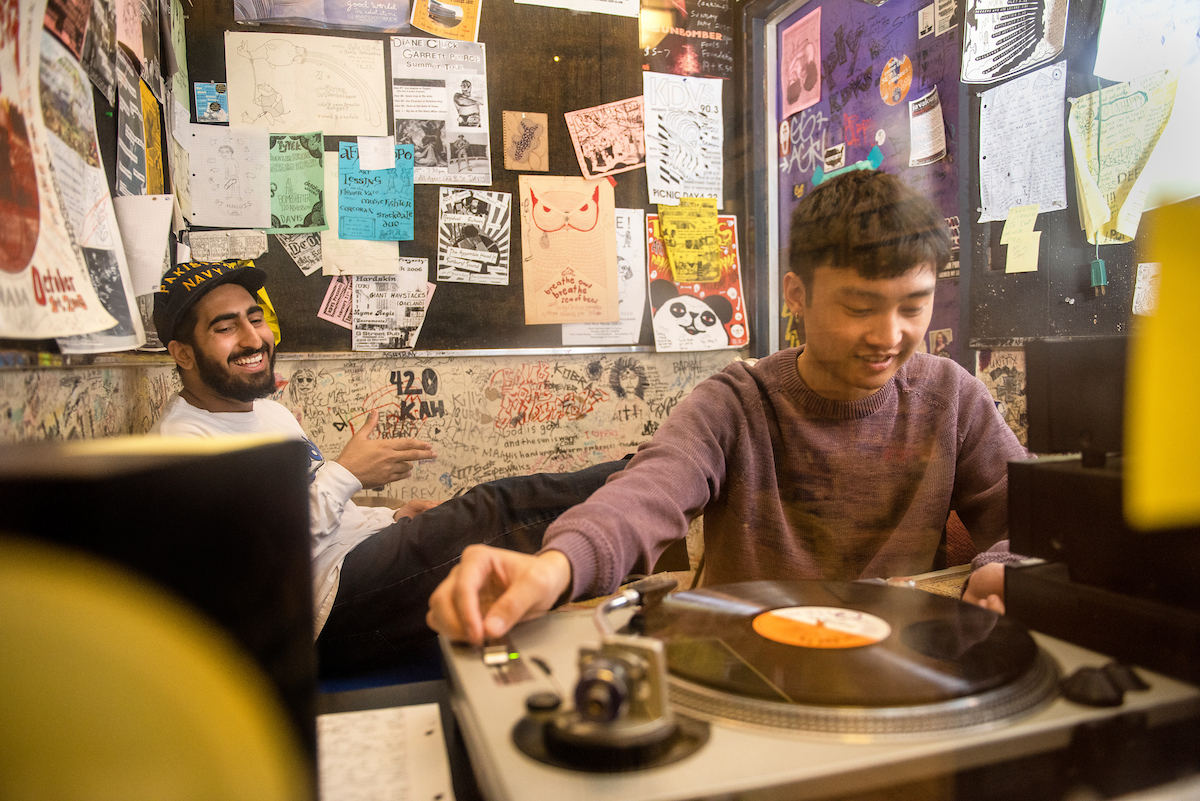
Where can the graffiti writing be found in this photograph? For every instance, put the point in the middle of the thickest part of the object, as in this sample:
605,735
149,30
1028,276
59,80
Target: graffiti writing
808,142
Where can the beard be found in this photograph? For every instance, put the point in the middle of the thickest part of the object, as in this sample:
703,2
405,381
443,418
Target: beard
220,379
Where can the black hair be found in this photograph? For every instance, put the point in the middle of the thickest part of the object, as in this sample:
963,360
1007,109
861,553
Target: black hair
870,222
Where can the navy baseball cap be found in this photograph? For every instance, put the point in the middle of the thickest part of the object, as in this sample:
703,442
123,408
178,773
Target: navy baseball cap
184,284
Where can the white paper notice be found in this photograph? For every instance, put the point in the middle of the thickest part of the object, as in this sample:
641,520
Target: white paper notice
631,288
397,753
1021,144
440,103
927,130
376,153
389,310
145,223
352,256
230,179
293,83
305,250
1137,37
684,135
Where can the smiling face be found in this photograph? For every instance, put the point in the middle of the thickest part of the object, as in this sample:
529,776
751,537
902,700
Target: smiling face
230,361
858,331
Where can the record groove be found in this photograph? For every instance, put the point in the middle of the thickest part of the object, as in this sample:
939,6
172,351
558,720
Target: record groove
843,657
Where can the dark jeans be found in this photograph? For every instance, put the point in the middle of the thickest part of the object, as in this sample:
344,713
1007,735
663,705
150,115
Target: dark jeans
378,616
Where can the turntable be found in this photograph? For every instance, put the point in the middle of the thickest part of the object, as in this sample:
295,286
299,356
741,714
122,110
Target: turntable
770,689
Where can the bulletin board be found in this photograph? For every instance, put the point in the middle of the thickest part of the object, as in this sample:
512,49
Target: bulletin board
1058,299
545,60
873,63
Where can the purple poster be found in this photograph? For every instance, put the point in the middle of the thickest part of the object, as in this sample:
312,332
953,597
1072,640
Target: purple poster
872,63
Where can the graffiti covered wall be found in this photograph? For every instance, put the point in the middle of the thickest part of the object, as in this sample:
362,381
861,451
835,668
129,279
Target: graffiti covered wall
486,417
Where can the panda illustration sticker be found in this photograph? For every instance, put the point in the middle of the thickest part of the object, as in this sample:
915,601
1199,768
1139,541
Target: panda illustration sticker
697,315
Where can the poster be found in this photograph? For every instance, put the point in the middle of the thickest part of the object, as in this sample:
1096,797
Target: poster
1021,143
131,132
226,245
800,63
1001,40
375,204
609,139
454,21
337,306
684,134
569,246
352,256
927,130
293,83
230,180
152,131
45,289
297,183
99,57
631,289
390,16
66,100
474,234
693,315
1117,128
852,122
687,37
305,250
389,310
68,20
439,101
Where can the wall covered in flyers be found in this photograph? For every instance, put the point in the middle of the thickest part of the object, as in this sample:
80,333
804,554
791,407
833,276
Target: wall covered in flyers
232,102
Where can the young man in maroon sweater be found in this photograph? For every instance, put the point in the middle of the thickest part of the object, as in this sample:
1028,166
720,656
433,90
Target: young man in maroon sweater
839,460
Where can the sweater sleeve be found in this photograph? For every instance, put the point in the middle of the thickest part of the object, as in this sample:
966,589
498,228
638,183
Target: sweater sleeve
986,446
626,524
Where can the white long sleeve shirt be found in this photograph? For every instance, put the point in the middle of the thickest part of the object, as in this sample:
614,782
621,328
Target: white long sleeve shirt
336,523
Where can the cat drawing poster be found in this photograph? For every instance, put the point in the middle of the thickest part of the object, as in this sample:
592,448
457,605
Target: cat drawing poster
569,250
692,315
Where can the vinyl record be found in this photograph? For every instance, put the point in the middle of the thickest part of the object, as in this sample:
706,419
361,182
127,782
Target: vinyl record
818,643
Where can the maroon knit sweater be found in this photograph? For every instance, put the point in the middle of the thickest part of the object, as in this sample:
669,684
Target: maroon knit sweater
842,490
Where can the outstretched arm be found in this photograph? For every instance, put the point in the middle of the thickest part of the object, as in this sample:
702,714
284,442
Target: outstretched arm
492,589
375,462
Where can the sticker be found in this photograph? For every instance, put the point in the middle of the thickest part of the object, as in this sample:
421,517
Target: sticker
785,138
895,80
835,157
212,102
880,137
926,19
821,627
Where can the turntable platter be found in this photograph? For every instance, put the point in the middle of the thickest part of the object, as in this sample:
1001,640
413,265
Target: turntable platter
786,652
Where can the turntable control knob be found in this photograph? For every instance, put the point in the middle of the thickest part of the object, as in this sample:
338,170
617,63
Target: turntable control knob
544,701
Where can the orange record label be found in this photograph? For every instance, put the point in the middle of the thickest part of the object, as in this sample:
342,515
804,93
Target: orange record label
895,80
821,627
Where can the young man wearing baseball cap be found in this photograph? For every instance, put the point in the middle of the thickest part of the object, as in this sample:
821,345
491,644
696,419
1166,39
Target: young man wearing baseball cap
373,568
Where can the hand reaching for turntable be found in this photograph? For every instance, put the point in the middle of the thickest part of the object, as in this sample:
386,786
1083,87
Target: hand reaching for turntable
985,588
492,589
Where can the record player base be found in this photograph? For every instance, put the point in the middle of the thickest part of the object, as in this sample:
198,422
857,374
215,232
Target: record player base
1001,760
